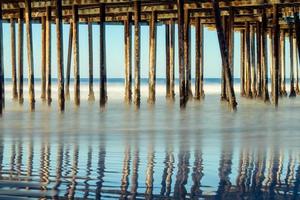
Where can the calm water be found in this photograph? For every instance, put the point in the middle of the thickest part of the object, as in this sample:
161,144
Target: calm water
159,152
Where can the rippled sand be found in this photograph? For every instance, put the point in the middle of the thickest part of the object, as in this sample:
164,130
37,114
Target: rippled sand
157,152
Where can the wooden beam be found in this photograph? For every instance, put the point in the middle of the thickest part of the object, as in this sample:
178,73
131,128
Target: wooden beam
103,76
13,58
60,56
76,56
20,54
297,49
128,57
30,54
91,63
1,65
181,54
152,59
276,53
137,45
224,55
69,58
48,55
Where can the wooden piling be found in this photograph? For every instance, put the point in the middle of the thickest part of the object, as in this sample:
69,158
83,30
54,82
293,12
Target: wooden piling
103,79
231,43
13,58
1,65
248,60
181,53
224,55
276,53
91,96
297,49
292,77
258,61
253,61
128,57
167,34
223,82
43,63
30,54
48,55
152,59
199,92
264,58
76,56
282,64
137,45
69,58
242,63
296,66
172,60
60,55
20,54
187,54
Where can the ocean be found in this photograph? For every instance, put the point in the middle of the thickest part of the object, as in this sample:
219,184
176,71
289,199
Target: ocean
157,152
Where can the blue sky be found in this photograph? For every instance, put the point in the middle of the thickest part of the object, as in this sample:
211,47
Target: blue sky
115,51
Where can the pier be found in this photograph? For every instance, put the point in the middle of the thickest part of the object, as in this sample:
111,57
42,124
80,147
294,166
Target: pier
257,21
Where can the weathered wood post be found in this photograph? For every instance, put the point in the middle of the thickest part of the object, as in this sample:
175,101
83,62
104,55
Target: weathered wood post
181,53
1,64
224,55
264,58
282,64
76,56
91,96
248,60
296,64
69,58
128,57
258,60
48,55
253,61
276,53
297,48
223,82
230,42
103,78
187,54
152,59
292,77
13,58
242,63
43,67
20,54
167,34
137,46
60,56
199,92
172,60
30,54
